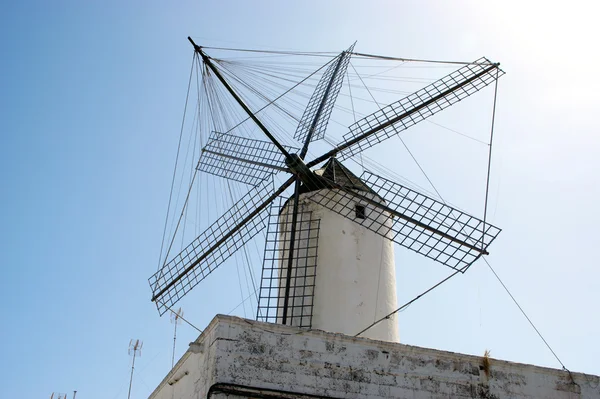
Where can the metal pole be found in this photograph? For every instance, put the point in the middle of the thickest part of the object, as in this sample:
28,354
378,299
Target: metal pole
131,378
487,185
288,277
174,338
237,98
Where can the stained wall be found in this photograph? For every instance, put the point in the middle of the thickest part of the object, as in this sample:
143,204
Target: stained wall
239,357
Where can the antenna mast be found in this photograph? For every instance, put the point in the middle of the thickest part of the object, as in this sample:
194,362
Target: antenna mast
175,319
135,349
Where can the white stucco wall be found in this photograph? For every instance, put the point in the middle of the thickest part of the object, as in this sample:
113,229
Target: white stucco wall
355,282
244,358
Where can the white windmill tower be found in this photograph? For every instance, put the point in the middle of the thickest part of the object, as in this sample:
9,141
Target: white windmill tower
355,281
329,258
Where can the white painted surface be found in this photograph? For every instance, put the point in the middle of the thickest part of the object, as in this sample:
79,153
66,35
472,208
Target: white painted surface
355,282
254,357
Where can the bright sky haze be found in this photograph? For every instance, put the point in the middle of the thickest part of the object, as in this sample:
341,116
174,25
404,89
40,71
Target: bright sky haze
92,95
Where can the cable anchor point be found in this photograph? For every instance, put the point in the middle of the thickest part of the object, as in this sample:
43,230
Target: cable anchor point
196,47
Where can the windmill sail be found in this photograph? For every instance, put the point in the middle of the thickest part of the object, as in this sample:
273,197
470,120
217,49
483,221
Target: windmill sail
412,220
274,271
396,117
221,240
316,115
242,159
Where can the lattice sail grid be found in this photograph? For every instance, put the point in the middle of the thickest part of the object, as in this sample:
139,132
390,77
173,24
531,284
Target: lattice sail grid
241,159
398,116
323,99
413,220
211,248
275,266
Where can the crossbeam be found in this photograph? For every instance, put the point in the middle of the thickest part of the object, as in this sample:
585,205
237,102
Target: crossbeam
237,98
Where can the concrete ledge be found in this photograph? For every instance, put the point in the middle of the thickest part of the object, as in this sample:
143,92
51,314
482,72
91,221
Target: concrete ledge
240,357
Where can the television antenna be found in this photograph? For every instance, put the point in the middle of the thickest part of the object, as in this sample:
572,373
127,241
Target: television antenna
175,319
397,213
135,349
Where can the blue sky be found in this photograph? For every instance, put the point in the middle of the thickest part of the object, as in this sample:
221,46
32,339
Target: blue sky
91,100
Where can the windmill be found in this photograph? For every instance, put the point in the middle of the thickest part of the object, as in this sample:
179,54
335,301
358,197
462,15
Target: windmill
303,280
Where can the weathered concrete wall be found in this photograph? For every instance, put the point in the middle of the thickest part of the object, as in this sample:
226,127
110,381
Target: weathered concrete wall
250,359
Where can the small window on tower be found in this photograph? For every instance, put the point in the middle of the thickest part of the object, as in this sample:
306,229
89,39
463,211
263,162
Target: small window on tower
359,211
